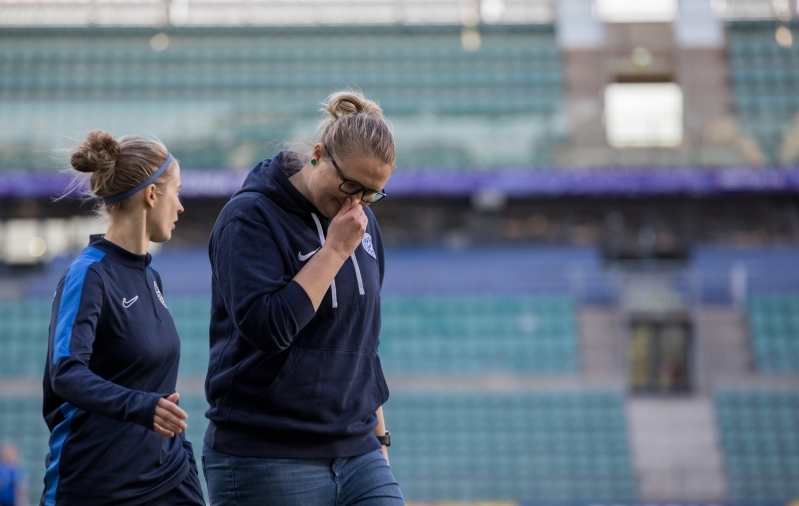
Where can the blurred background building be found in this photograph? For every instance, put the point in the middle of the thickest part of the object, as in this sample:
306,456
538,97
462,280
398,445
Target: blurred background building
592,289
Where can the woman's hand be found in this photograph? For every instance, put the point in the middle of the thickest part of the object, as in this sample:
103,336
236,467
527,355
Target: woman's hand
346,229
168,419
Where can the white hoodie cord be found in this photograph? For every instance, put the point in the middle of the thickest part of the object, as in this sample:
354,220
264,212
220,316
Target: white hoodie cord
322,240
354,263
357,274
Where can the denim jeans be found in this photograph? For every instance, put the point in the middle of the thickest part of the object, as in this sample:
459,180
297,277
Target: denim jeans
365,480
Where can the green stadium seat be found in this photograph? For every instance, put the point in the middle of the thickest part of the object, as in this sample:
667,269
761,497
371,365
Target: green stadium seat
755,58
470,335
549,447
774,332
761,447
517,71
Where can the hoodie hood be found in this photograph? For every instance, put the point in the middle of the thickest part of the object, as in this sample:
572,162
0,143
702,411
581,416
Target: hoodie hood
271,178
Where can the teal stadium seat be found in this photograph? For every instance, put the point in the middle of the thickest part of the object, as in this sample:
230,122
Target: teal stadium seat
23,336
764,80
533,447
760,438
477,335
206,75
774,332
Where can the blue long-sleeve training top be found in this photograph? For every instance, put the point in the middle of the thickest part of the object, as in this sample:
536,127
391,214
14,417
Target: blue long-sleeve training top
113,352
285,381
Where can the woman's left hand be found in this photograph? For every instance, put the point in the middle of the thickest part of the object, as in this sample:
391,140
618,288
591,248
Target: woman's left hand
168,419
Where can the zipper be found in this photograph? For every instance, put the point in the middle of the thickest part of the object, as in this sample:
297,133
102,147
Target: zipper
152,297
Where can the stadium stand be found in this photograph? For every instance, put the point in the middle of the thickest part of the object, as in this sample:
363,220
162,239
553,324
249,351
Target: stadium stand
469,335
192,317
217,96
764,76
23,334
760,437
774,332
553,446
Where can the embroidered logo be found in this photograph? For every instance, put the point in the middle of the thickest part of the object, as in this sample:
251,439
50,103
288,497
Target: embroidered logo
158,293
306,256
367,245
127,303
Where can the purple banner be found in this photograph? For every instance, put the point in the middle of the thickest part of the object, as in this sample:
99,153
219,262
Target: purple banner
519,184
597,183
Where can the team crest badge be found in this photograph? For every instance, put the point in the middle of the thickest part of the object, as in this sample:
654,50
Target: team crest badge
158,293
367,245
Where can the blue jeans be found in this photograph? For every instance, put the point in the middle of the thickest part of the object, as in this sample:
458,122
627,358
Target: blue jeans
365,480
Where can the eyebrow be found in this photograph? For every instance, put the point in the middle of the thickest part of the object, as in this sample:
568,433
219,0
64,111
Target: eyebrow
335,164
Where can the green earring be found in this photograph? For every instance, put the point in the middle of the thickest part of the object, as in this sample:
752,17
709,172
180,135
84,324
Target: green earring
313,161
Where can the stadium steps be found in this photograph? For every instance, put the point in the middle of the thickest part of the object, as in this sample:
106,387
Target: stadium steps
675,449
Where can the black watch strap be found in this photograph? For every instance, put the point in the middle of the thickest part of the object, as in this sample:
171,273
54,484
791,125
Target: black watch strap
385,440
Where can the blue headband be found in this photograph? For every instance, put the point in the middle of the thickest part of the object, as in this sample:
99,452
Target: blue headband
140,186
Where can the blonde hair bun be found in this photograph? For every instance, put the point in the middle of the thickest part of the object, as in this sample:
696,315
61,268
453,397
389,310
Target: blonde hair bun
350,103
356,127
98,153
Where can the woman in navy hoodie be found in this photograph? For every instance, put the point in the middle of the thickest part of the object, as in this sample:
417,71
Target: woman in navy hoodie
112,360
294,381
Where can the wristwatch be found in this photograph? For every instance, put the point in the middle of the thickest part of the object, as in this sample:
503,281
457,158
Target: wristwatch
385,440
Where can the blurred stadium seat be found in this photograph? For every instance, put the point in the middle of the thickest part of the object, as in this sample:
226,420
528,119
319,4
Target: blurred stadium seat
537,447
218,96
764,78
479,334
760,437
774,332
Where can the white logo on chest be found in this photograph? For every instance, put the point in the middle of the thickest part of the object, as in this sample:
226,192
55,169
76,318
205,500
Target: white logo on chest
158,293
127,303
367,245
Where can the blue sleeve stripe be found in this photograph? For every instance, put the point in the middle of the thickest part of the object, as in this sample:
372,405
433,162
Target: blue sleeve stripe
57,440
70,300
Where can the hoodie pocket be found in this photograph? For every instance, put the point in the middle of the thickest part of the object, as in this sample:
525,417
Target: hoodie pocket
333,393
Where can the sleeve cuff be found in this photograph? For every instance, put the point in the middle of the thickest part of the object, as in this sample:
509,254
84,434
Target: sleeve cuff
147,414
299,302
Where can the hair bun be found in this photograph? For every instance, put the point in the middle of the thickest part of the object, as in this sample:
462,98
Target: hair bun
350,103
98,153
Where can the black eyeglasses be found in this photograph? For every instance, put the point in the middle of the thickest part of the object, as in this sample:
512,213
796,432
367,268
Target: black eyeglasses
350,187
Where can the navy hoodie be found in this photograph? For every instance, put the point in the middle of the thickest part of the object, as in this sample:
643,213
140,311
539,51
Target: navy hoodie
283,381
113,352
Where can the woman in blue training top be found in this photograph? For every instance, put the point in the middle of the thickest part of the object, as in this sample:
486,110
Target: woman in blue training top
294,381
112,360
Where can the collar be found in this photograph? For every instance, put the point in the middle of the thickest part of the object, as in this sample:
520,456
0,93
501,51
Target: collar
120,254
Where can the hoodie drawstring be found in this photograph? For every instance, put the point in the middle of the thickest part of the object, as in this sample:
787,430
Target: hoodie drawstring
322,240
354,263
